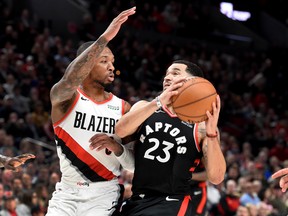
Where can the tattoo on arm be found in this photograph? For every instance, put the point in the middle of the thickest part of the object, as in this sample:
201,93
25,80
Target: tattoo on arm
78,70
204,150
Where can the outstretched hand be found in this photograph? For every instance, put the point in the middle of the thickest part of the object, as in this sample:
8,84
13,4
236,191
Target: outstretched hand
115,25
283,183
14,162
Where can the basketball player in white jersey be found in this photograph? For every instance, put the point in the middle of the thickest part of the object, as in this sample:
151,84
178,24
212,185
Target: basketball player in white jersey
84,116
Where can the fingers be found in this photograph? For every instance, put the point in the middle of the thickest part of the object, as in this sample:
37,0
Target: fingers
280,173
99,142
115,25
26,156
208,114
218,102
283,183
128,12
123,16
216,106
14,161
171,91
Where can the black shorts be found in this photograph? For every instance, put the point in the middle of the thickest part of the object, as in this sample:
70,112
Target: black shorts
157,206
199,200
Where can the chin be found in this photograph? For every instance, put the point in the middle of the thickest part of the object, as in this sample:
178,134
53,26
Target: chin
108,86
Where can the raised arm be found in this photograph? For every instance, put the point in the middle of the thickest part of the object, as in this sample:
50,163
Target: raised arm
81,66
213,157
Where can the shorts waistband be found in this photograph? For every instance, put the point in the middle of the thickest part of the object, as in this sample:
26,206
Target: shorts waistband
86,184
164,196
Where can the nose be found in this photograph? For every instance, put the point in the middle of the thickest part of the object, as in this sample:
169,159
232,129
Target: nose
167,78
111,66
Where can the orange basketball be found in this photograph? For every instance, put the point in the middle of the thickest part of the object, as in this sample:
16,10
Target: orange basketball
195,97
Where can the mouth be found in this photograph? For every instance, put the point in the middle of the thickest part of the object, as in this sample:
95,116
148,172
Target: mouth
111,78
166,85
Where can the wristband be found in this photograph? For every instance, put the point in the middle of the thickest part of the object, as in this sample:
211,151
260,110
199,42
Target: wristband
126,159
212,135
158,102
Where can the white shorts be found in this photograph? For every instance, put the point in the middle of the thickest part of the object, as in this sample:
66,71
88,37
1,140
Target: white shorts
90,199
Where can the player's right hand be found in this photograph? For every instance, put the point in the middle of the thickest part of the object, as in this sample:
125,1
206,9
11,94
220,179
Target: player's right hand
166,96
115,25
283,183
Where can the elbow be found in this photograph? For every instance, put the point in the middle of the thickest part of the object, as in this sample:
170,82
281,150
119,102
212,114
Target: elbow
217,180
217,177
119,131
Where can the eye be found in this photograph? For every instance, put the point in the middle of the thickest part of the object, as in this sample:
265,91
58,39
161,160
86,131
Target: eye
103,61
175,73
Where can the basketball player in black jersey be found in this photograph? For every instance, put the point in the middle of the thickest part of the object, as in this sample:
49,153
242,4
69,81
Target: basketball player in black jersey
167,149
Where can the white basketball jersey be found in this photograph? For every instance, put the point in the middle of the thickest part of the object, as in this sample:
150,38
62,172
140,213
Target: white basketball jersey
86,117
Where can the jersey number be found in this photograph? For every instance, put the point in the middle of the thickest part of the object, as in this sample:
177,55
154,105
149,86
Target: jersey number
166,149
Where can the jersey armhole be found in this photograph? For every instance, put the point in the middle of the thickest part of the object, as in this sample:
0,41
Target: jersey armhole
69,110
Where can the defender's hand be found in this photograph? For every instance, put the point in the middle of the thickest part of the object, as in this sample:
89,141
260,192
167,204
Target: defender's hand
115,25
103,141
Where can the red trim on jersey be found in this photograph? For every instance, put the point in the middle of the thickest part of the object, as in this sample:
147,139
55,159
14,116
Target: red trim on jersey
97,102
184,206
202,203
165,108
84,156
123,107
68,112
195,133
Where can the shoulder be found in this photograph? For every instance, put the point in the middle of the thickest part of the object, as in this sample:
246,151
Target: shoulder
127,106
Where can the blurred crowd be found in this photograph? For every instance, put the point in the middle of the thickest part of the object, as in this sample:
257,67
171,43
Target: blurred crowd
251,84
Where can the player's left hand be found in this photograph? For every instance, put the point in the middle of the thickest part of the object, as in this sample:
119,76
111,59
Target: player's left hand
103,141
212,121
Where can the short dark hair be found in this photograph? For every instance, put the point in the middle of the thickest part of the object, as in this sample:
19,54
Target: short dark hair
84,46
192,68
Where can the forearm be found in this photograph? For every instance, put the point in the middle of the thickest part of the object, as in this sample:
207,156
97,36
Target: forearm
126,159
214,160
129,123
199,176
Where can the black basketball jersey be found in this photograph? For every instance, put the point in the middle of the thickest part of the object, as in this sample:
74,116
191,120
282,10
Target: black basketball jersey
166,152
199,168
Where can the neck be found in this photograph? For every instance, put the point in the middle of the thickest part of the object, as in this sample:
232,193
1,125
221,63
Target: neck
97,94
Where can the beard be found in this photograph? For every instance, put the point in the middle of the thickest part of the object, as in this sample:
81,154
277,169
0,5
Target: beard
106,86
